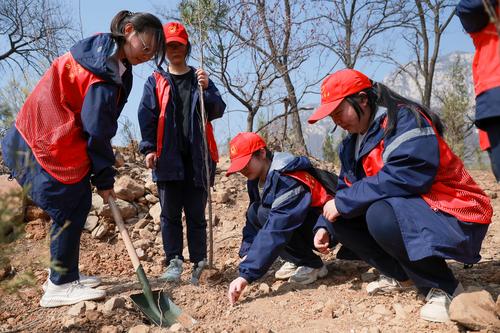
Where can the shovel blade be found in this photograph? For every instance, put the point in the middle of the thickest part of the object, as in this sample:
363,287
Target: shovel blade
164,312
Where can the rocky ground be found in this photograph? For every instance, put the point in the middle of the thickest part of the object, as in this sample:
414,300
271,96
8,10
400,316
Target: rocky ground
337,303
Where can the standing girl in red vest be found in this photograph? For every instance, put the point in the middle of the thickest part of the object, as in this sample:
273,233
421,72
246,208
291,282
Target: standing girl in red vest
405,202
486,74
172,140
61,141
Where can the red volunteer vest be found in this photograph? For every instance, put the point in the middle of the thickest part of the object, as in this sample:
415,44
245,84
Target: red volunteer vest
486,66
318,192
163,96
453,190
50,122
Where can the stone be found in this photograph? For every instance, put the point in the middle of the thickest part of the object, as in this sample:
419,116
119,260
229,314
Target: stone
152,198
141,244
146,234
91,223
109,329
5,269
222,196
34,213
92,315
264,288
113,304
141,223
328,310
382,310
127,210
128,189
154,212
141,254
400,311
151,187
76,310
89,305
97,202
100,231
498,306
69,322
119,159
139,329
475,310
176,328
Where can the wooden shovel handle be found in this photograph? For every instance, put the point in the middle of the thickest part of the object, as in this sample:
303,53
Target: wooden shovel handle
124,233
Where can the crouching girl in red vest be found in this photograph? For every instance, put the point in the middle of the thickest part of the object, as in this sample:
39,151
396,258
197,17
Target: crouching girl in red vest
285,203
405,202
172,140
61,141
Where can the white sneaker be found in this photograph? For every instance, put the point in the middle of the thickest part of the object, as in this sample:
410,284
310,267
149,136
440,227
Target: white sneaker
306,275
286,271
438,303
86,280
385,284
69,293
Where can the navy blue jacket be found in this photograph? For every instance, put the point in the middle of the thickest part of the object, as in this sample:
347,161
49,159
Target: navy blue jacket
474,18
170,165
102,104
411,160
289,203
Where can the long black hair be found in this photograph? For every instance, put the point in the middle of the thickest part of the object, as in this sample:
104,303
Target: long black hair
381,95
142,22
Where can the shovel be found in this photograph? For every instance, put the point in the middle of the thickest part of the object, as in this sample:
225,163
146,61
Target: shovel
155,305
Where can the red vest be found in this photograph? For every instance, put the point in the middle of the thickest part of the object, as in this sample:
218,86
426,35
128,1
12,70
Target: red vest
486,64
163,95
318,192
50,122
453,190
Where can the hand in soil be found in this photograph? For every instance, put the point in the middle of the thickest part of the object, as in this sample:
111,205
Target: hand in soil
322,240
235,289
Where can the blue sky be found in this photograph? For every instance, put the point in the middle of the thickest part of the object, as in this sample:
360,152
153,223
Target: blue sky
96,17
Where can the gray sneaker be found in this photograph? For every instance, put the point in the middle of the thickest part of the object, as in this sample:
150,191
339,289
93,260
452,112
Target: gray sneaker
197,270
174,271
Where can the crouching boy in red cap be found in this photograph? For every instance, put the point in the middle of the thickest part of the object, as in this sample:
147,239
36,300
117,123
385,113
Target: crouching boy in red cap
285,203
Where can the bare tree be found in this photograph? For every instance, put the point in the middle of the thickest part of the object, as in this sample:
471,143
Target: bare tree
268,27
248,81
350,27
423,35
33,32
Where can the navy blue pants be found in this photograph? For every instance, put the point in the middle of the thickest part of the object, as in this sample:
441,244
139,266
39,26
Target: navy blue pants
299,249
492,127
376,238
67,205
176,196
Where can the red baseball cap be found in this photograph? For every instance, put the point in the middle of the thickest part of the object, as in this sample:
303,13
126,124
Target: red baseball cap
335,88
175,32
241,148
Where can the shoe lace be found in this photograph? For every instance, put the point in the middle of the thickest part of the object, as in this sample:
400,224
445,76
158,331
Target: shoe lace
74,285
437,295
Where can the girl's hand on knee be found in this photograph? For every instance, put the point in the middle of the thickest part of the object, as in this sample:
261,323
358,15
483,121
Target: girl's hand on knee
330,211
151,160
322,240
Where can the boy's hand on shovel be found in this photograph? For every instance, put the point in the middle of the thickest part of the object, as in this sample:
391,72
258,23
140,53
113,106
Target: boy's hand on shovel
105,194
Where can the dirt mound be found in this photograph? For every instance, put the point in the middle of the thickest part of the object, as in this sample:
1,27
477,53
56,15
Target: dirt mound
337,303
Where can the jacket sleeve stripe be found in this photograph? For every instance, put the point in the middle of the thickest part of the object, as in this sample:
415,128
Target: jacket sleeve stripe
286,196
411,134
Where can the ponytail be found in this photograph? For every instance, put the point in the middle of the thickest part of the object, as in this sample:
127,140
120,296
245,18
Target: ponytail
142,22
